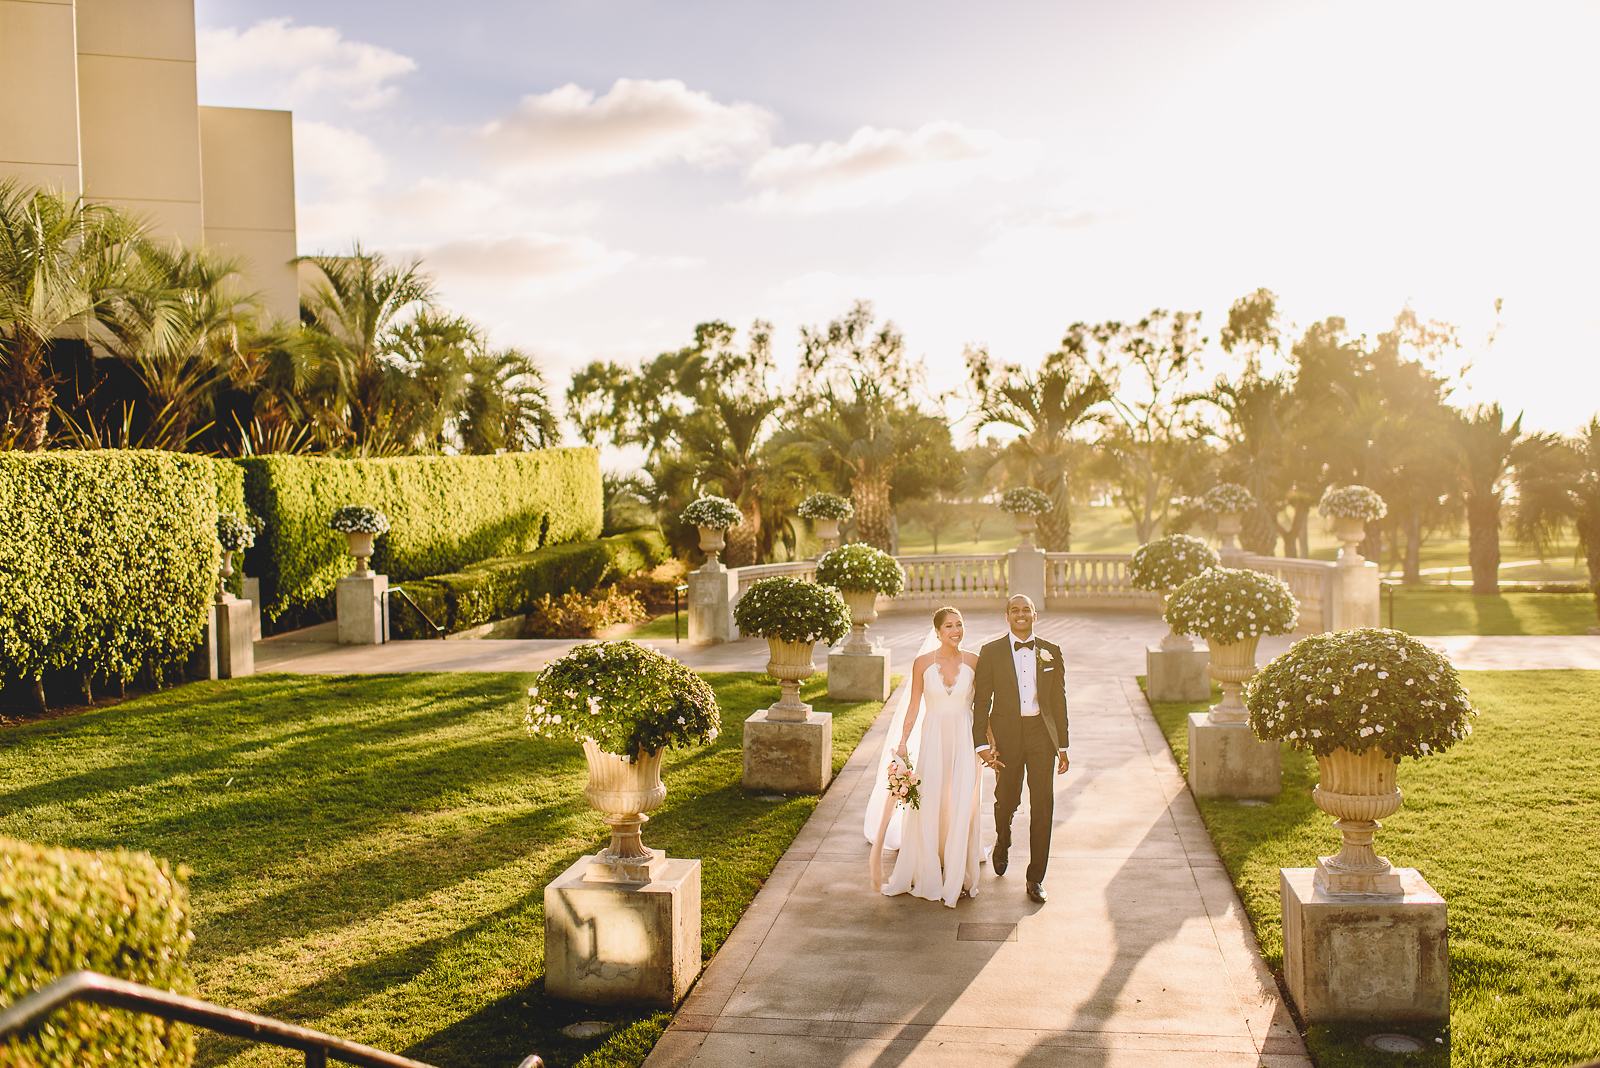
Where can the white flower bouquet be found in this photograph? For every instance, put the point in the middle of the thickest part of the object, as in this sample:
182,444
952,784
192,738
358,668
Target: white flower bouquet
904,783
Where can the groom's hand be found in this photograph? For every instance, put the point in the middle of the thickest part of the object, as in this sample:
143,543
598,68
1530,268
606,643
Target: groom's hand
990,758
1061,763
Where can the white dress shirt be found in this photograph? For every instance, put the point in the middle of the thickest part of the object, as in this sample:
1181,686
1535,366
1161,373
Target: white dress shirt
1027,664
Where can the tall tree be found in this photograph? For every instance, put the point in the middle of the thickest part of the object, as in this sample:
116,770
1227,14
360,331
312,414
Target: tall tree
505,407
1050,407
61,260
1558,490
1484,450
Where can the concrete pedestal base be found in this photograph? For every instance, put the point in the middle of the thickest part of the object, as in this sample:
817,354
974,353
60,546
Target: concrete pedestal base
631,943
712,591
1025,575
1177,674
859,676
1228,760
363,609
231,623
252,593
788,756
1371,959
1356,593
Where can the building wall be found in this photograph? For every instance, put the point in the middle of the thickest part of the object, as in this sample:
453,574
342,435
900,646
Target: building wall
138,116
39,88
247,167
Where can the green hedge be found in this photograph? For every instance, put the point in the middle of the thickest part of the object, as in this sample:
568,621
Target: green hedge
107,559
445,512
510,585
120,913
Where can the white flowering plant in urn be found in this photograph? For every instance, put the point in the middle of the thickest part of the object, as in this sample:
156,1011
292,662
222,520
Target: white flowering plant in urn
359,523
1025,504
793,615
714,516
1349,509
826,511
1232,609
235,534
1227,502
627,705
1360,700
1165,564
862,573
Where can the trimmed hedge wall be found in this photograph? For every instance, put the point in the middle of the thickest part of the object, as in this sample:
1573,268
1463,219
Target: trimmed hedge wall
120,913
510,585
445,512
108,559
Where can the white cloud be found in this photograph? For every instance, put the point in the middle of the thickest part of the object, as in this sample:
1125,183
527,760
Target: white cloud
636,125
278,64
523,258
340,159
878,167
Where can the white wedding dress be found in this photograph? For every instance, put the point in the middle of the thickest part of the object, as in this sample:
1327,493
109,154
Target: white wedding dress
940,842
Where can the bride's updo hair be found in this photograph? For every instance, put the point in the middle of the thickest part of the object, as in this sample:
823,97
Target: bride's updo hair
942,614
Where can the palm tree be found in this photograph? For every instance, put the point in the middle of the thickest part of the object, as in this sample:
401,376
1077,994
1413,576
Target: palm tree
1484,451
505,407
353,315
851,432
178,330
1558,489
60,261
1048,407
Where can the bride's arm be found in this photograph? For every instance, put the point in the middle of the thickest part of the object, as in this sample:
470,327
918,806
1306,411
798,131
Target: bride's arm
913,704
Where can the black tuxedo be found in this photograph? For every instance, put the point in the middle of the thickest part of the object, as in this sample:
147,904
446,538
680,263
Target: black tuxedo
1026,745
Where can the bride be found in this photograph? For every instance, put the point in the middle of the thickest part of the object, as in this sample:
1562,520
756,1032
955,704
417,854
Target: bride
940,846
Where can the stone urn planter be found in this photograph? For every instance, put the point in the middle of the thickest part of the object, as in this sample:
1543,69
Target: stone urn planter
1026,526
712,541
827,532
360,545
1025,505
791,664
1358,790
863,613
1349,509
1173,642
1232,664
713,516
1351,532
223,596
359,523
624,791
1229,524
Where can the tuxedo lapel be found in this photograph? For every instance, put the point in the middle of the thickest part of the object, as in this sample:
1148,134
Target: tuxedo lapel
1011,674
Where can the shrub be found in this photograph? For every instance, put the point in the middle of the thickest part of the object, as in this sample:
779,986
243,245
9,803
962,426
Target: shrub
120,913
1024,500
629,699
234,533
1169,562
1227,604
108,560
792,610
826,506
1358,690
577,614
445,512
1352,502
861,567
657,587
1227,497
512,585
359,519
718,513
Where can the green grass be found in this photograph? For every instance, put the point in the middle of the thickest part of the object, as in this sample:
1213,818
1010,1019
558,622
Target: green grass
661,628
369,853
1464,612
1507,827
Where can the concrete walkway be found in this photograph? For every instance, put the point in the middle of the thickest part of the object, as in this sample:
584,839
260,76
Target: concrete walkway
1143,955
1109,642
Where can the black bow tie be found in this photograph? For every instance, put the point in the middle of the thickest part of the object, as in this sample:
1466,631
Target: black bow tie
1019,646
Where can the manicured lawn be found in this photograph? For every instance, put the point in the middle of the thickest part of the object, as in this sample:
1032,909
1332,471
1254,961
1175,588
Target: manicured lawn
661,628
369,854
1507,827
1465,612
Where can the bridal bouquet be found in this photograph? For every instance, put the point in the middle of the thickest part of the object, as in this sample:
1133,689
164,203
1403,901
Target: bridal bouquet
904,783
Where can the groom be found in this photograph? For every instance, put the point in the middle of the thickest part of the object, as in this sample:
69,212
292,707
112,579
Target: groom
1020,702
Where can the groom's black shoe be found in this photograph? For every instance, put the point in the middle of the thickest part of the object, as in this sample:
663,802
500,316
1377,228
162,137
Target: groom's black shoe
1036,892
998,859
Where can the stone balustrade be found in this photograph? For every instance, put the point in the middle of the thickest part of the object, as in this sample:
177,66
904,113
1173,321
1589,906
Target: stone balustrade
1093,580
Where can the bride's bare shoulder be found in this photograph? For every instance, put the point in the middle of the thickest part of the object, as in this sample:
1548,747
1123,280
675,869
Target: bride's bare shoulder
969,658
921,663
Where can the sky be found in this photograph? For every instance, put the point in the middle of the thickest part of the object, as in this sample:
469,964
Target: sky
591,178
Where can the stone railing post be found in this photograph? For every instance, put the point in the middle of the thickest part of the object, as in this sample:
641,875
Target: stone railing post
1356,590
712,591
362,603
1025,575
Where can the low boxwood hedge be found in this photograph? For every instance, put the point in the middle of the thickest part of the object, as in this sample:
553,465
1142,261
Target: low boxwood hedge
108,560
120,913
445,512
507,586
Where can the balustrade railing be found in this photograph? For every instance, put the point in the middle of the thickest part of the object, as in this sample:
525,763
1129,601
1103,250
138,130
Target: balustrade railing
936,580
1093,580
1311,582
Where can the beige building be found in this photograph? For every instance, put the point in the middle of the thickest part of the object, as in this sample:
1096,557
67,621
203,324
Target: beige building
100,101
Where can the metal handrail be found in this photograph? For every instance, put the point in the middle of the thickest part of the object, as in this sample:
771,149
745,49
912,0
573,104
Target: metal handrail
30,1011
399,591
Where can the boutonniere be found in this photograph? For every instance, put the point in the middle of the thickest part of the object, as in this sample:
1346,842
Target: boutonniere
1045,657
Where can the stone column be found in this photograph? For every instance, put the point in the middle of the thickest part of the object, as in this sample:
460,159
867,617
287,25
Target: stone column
235,651
363,609
252,593
859,669
1025,575
788,748
1229,524
1175,668
712,590
1356,595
